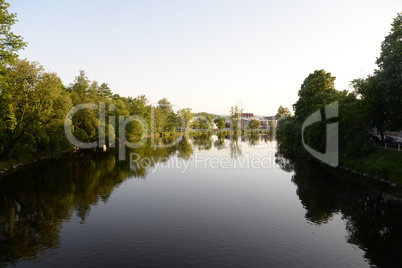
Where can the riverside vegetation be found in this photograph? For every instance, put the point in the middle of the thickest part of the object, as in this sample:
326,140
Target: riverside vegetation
34,105
376,102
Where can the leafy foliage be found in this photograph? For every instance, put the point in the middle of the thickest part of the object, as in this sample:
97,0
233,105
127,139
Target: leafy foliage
282,112
254,124
10,43
316,92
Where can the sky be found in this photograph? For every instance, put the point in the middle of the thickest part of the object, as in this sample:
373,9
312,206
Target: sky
206,55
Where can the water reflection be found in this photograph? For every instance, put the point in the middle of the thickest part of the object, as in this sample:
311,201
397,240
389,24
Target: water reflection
185,149
220,142
373,213
203,142
235,147
36,201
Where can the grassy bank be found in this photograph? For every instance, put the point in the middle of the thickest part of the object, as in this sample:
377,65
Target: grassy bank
382,163
14,163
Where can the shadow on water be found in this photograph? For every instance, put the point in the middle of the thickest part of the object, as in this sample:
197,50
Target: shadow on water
372,212
35,201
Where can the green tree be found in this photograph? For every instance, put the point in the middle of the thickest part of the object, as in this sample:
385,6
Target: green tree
80,88
388,78
314,88
235,114
10,43
138,107
316,92
104,91
86,121
254,124
283,112
165,118
220,122
205,122
381,93
373,102
186,115
36,104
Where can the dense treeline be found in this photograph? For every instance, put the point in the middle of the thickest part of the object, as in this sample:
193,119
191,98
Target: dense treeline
376,102
318,91
35,103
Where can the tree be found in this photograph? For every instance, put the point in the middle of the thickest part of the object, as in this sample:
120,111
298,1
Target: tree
9,42
373,102
80,88
288,133
165,118
205,122
315,87
283,112
9,45
388,78
235,113
316,92
254,124
138,107
186,115
104,91
220,122
36,104
381,93
85,121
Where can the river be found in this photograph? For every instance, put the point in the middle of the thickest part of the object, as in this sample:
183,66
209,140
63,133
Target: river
206,201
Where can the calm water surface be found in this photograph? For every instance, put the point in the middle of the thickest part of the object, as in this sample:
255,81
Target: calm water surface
204,202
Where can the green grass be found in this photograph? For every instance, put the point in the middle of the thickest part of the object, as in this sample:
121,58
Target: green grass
383,163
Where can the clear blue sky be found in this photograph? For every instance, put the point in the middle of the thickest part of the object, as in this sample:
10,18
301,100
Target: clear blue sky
206,55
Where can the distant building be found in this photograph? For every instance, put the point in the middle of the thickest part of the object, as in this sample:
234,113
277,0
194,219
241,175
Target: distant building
265,121
247,115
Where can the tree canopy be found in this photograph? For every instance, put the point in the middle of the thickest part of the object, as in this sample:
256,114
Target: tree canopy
388,78
10,43
282,112
316,87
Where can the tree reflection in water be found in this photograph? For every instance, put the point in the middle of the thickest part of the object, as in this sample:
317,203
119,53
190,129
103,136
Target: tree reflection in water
220,142
235,147
36,200
372,212
203,142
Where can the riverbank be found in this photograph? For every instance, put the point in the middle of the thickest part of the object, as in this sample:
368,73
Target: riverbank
14,163
380,164
11,164
213,132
